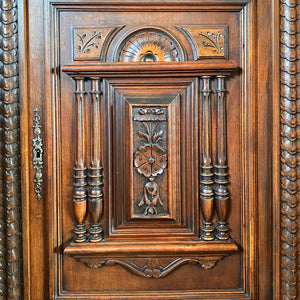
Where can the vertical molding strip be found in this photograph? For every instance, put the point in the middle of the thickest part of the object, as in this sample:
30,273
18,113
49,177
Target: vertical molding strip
10,231
290,158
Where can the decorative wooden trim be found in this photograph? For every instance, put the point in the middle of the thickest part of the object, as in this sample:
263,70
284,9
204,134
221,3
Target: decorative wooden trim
152,267
146,261
149,70
10,200
290,187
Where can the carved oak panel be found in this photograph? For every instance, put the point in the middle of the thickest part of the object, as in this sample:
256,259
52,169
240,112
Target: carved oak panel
151,149
149,220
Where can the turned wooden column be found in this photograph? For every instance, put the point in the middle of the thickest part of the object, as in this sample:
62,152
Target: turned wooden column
80,182
95,195
221,168
206,168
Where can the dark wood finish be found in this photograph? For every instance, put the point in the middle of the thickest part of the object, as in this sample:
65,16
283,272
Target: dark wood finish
95,201
10,199
221,168
206,169
289,92
80,169
251,124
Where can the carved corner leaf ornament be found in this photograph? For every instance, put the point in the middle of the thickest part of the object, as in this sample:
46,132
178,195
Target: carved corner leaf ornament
88,43
207,41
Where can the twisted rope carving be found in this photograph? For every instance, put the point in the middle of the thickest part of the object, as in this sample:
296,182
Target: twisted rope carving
290,158
10,203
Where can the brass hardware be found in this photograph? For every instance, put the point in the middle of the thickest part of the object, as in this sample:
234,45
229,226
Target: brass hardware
37,150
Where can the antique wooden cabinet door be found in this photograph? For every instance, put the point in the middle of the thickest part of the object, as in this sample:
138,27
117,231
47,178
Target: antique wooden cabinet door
145,139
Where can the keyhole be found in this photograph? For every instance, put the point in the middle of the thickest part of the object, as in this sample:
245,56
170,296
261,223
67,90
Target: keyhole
38,154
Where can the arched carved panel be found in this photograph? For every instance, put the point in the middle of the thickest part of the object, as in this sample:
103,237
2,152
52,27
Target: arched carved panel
149,45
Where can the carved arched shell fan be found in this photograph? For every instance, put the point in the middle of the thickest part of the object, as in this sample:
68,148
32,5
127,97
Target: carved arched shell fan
149,45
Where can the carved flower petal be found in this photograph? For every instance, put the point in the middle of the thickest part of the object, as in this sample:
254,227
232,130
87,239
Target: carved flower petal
161,161
140,159
145,170
157,151
156,169
146,150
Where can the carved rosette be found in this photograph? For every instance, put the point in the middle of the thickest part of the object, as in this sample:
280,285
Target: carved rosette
149,45
10,201
290,217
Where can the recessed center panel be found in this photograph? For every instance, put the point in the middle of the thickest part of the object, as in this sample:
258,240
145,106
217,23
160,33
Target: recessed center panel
152,125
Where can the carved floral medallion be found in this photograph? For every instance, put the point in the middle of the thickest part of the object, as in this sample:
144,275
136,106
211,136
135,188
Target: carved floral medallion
150,158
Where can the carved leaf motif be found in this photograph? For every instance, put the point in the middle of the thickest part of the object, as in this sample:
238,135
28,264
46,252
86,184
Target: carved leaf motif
144,136
157,137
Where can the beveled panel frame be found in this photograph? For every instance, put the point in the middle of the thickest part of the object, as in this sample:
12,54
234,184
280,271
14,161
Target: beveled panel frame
124,94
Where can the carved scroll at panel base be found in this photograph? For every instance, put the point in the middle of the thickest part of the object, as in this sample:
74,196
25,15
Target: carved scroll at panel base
152,267
152,259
